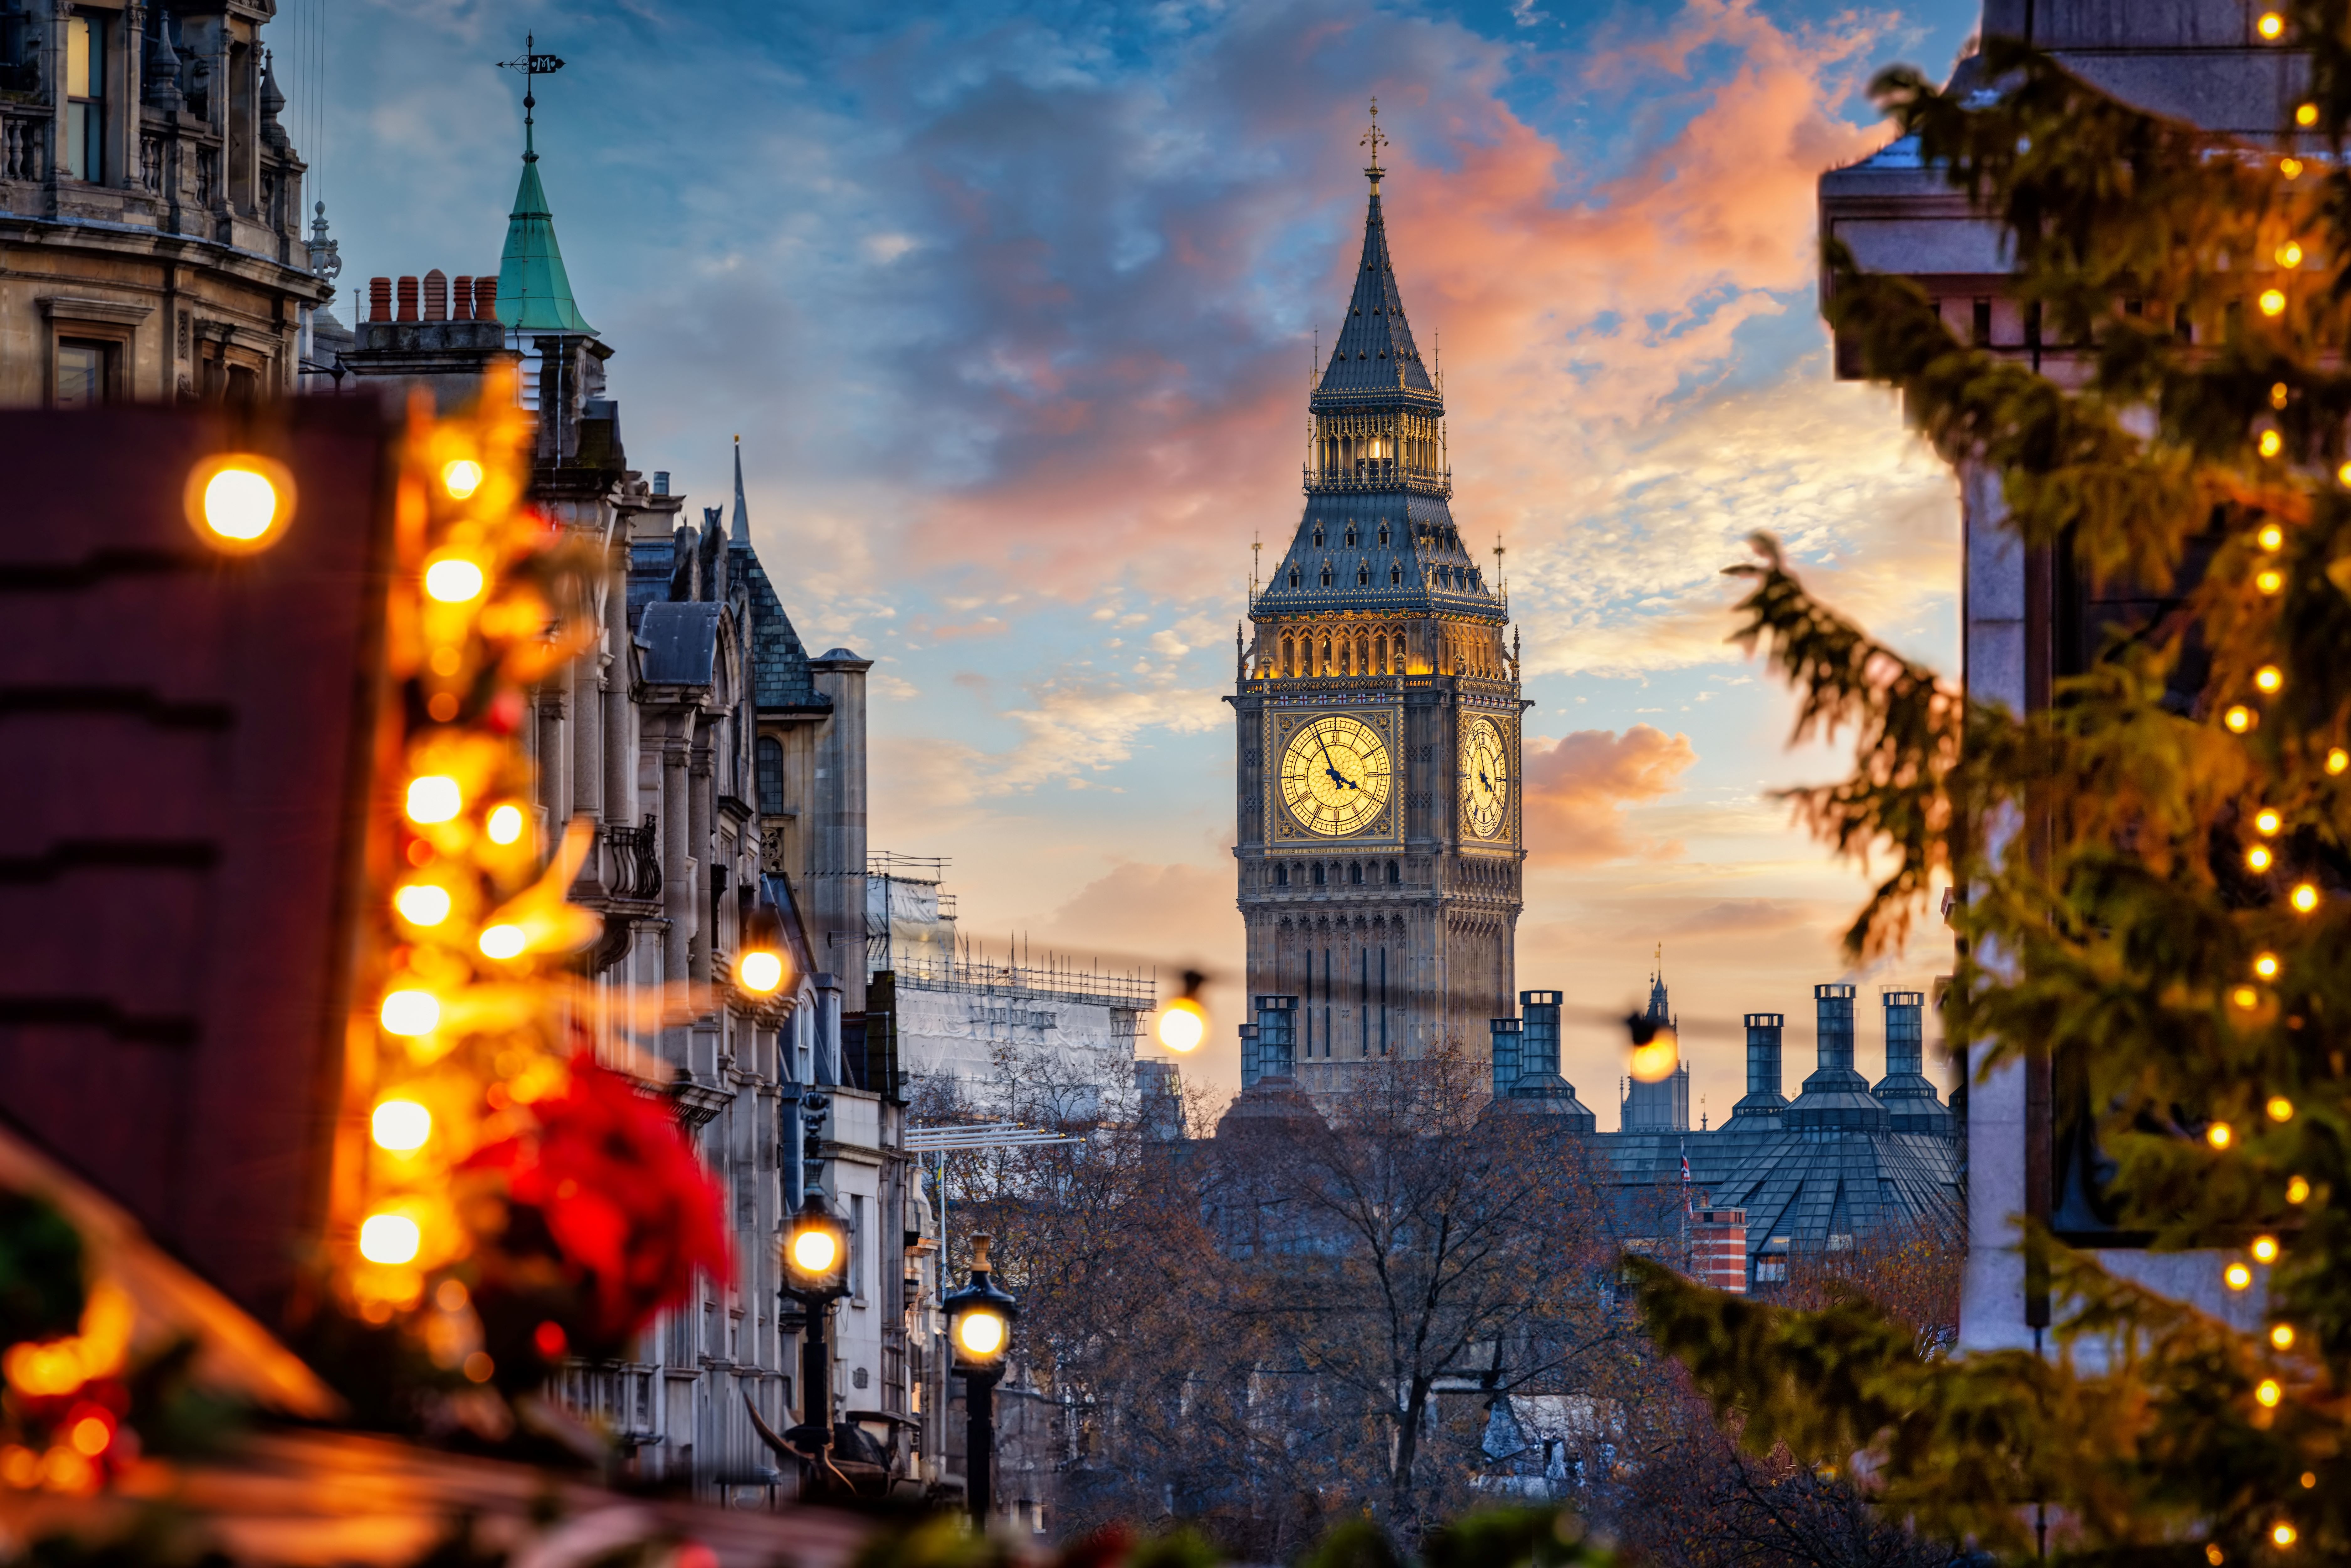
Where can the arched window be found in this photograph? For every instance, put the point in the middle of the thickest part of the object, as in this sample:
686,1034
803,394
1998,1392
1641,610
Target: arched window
1326,575
1363,575
1318,533
1346,665
1326,656
1384,533
1364,655
1396,874
1282,876
1395,575
1318,873
1288,657
1351,536
1355,872
1379,655
1293,576
770,753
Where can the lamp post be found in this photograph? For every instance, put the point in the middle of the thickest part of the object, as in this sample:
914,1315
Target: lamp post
816,1271
979,1331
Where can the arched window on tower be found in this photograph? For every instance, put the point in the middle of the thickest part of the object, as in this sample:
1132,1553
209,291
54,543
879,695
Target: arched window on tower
1384,533
1318,873
770,753
1396,874
1346,665
1282,876
1326,656
1351,536
1293,576
1318,534
1379,655
1288,657
1355,872
1395,576
1326,575
1363,575
1362,655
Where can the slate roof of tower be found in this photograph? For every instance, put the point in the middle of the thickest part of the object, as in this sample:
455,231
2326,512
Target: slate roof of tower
1374,367
779,661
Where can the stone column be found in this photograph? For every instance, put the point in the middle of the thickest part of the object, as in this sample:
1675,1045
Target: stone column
587,731
706,848
838,898
554,756
620,807
677,869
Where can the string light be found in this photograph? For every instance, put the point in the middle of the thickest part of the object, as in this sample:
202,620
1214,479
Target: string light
2289,255
2279,392
2272,442
2271,27
2266,966
2259,857
2267,820
2269,678
2290,167
2282,1533
759,971
422,904
504,825
2237,1277
2279,1108
460,477
390,1238
454,579
2269,581
2337,760
2297,1189
2265,1248
2309,1480
2268,1392
2239,718
2304,898
503,942
2214,1555
2272,537
434,798
2272,303
2220,1134
2307,114
2244,998
2281,1336
400,1125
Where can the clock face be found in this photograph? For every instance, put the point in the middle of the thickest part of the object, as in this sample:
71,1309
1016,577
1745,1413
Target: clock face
1334,776
1485,779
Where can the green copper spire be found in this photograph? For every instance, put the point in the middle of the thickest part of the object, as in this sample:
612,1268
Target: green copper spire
534,291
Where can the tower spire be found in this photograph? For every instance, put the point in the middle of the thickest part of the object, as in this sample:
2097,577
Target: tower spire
740,534
534,289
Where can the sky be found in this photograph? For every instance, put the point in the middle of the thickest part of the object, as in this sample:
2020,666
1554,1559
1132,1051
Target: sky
1014,308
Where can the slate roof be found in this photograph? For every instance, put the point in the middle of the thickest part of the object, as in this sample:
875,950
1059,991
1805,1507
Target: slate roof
779,661
681,642
1374,359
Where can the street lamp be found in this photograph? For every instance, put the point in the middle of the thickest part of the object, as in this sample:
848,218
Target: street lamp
979,1332
816,1271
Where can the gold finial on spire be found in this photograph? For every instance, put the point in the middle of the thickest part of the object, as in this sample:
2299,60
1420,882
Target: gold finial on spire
1372,141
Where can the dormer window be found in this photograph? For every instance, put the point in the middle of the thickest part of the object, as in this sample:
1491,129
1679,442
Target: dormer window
1293,576
1326,576
1318,534
1350,535
1384,533
1363,577
1395,575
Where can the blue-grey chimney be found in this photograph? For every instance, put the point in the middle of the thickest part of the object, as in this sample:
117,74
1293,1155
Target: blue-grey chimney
1508,1036
1835,1095
1911,1104
1766,1034
1249,1054
1538,1087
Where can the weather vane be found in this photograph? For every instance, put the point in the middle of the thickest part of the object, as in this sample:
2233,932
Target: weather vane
530,63
1372,141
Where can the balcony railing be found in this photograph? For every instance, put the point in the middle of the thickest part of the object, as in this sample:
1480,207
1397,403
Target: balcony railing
1379,474
635,863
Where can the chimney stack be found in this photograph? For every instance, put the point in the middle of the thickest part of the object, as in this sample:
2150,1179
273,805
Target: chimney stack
1834,1006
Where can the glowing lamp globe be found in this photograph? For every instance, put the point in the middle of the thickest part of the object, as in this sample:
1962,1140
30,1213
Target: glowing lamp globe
1183,1025
1654,1060
759,972
409,1013
460,477
454,579
816,1253
238,502
434,798
980,1335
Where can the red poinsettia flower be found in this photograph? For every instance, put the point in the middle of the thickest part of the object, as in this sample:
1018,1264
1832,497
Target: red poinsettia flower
620,1193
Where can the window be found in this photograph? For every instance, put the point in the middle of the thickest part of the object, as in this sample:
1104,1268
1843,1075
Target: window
1350,535
1293,576
85,373
1772,1268
1282,876
1396,874
1318,533
86,98
1395,574
1326,572
1325,665
770,755
1384,533
1363,577
1317,882
856,1240
1288,648
1347,658
1363,656
1983,329
1355,872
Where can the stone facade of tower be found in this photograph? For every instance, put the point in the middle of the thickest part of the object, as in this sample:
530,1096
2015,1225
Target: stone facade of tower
1377,714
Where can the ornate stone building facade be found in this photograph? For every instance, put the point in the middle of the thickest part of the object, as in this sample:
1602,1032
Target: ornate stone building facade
1377,717
151,202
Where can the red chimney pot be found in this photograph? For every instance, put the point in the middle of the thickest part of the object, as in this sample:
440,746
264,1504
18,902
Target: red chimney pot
461,298
408,300
379,298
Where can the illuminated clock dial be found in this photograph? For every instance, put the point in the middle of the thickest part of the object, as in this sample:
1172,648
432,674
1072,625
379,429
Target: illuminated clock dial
1334,776
1485,779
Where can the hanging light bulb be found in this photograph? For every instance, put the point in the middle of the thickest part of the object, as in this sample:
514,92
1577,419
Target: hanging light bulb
400,1125
2271,25
434,798
2290,167
2306,115
422,904
2259,857
2282,1533
2304,898
2279,1108
2213,1555
2269,581
2220,1134
2265,964
460,477
2279,394
2265,1248
2267,820
409,1012
2272,303
390,1238
2269,678
2239,718
2237,1277
2244,998
503,942
504,825
2272,537
2282,1335
2337,760
2268,1392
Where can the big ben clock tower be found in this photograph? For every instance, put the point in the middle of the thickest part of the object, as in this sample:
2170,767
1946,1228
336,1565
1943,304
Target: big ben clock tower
1378,730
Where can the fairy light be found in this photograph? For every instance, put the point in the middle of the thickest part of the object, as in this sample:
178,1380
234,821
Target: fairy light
2271,25
2237,1277
2290,167
2267,820
2213,1555
2244,998
2279,394
2239,718
2337,760
2289,255
400,1125
2270,581
409,1013
434,798
390,1238
2266,966
2265,1248
2297,1189
2272,442
2305,114
2309,1480
2272,537
503,942
504,825
2258,858
2304,898
2280,1109
2282,1533
2220,1134
2272,303
2269,678
460,477
2268,1392
454,579
422,904
2282,1335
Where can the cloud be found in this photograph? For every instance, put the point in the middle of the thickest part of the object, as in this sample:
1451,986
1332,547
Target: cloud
1744,916
1576,791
